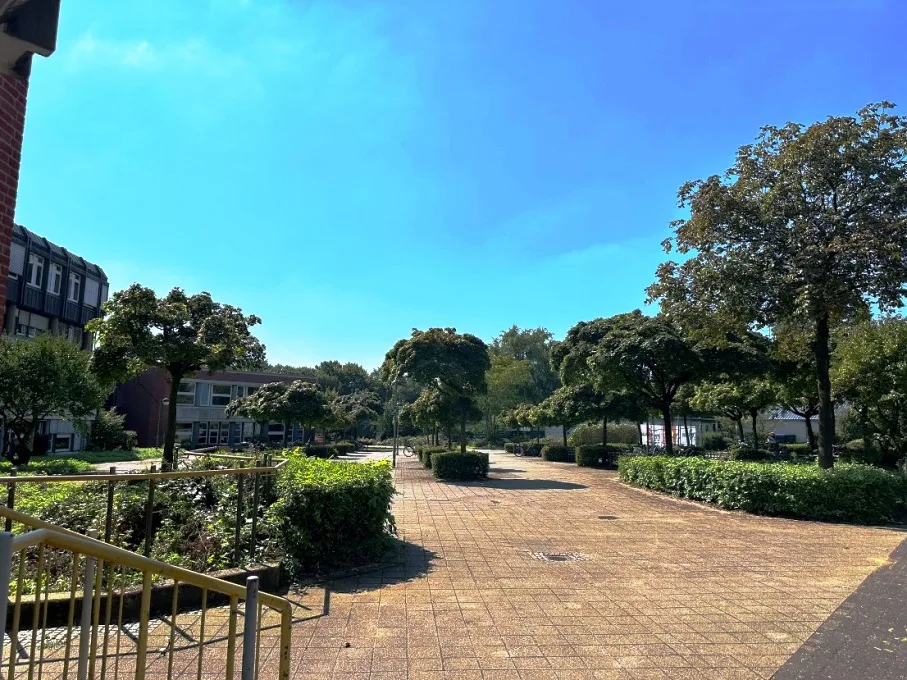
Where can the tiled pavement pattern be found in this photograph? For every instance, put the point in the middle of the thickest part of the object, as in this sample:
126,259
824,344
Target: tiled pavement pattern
668,589
662,588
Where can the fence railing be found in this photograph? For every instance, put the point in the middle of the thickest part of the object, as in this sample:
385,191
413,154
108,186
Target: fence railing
248,480
216,630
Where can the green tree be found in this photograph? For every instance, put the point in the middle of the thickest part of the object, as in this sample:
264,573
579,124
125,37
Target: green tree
357,409
47,376
298,402
736,400
807,228
510,382
534,346
568,406
179,334
871,374
454,363
345,378
436,409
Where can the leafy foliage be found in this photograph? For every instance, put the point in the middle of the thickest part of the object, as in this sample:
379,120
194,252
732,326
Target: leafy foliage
108,432
179,334
460,466
804,230
556,453
593,455
288,403
46,376
330,513
849,493
531,348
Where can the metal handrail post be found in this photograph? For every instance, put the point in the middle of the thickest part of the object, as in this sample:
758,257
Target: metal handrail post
250,629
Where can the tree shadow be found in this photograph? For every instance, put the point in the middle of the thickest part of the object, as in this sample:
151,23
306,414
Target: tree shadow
404,561
526,484
505,471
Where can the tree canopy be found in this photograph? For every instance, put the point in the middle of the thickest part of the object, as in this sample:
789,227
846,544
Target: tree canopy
179,334
298,402
42,377
808,227
533,346
454,363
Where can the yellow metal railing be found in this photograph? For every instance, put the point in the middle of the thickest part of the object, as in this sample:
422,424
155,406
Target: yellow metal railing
102,578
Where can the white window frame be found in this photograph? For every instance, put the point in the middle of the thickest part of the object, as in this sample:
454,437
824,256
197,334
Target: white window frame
186,393
35,270
53,444
217,399
56,274
75,284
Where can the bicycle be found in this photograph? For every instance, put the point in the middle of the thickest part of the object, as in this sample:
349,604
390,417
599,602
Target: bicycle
518,450
408,451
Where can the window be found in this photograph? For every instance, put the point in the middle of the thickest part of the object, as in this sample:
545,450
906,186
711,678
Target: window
186,393
203,433
55,280
62,442
42,427
240,391
16,260
248,431
183,432
91,292
35,270
220,395
30,325
225,433
75,287
74,334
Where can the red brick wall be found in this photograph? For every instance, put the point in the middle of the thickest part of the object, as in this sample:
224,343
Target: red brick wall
13,93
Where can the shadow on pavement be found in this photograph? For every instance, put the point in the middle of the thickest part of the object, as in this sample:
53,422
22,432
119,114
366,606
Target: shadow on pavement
527,484
403,562
505,471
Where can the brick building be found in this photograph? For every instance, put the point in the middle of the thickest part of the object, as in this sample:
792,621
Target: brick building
27,27
200,417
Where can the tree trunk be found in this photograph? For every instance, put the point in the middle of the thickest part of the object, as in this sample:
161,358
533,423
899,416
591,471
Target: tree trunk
463,433
810,435
450,438
167,458
286,434
669,435
755,414
686,428
564,430
742,436
639,432
604,431
823,379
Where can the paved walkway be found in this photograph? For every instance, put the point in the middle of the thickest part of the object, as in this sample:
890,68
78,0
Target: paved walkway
661,588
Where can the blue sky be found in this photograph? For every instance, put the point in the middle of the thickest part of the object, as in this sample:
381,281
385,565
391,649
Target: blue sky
351,170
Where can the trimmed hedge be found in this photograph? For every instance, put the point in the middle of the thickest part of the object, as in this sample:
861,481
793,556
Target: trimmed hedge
748,453
461,466
509,446
558,454
714,441
320,451
331,512
593,455
849,492
425,453
344,447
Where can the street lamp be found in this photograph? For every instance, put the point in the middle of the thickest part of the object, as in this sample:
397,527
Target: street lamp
164,403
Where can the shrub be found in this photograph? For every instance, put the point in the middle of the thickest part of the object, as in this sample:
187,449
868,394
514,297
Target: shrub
331,512
742,452
462,466
320,451
849,492
425,453
344,447
593,455
556,453
508,447
108,433
366,441
591,434
714,441
799,449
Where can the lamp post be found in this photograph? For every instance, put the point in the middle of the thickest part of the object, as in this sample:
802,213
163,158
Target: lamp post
165,402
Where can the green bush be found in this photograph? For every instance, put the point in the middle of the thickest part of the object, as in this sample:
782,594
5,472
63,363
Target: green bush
594,455
425,453
344,448
714,441
108,432
741,452
849,492
591,434
331,512
320,451
799,449
462,466
556,453
508,447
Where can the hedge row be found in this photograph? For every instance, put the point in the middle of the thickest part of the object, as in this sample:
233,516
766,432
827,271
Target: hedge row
848,493
425,453
320,451
594,455
528,448
331,512
559,453
460,466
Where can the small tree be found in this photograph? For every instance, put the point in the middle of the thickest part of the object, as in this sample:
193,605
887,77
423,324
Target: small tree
806,229
47,376
569,406
108,432
179,334
357,408
453,363
737,400
298,402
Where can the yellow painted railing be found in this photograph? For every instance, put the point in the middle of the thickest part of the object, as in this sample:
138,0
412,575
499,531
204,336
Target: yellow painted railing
102,578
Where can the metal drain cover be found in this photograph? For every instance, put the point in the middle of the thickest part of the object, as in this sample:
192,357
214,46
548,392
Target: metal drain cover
556,557
607,517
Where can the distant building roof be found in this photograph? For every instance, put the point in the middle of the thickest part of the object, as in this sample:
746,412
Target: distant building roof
784,414
27,236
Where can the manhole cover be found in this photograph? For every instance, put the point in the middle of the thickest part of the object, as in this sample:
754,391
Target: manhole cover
556,557
607,517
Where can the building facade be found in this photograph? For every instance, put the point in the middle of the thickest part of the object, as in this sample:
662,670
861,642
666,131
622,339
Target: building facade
51,290
201,420
27,27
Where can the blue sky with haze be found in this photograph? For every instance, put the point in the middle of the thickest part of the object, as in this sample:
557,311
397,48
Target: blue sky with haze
351,170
